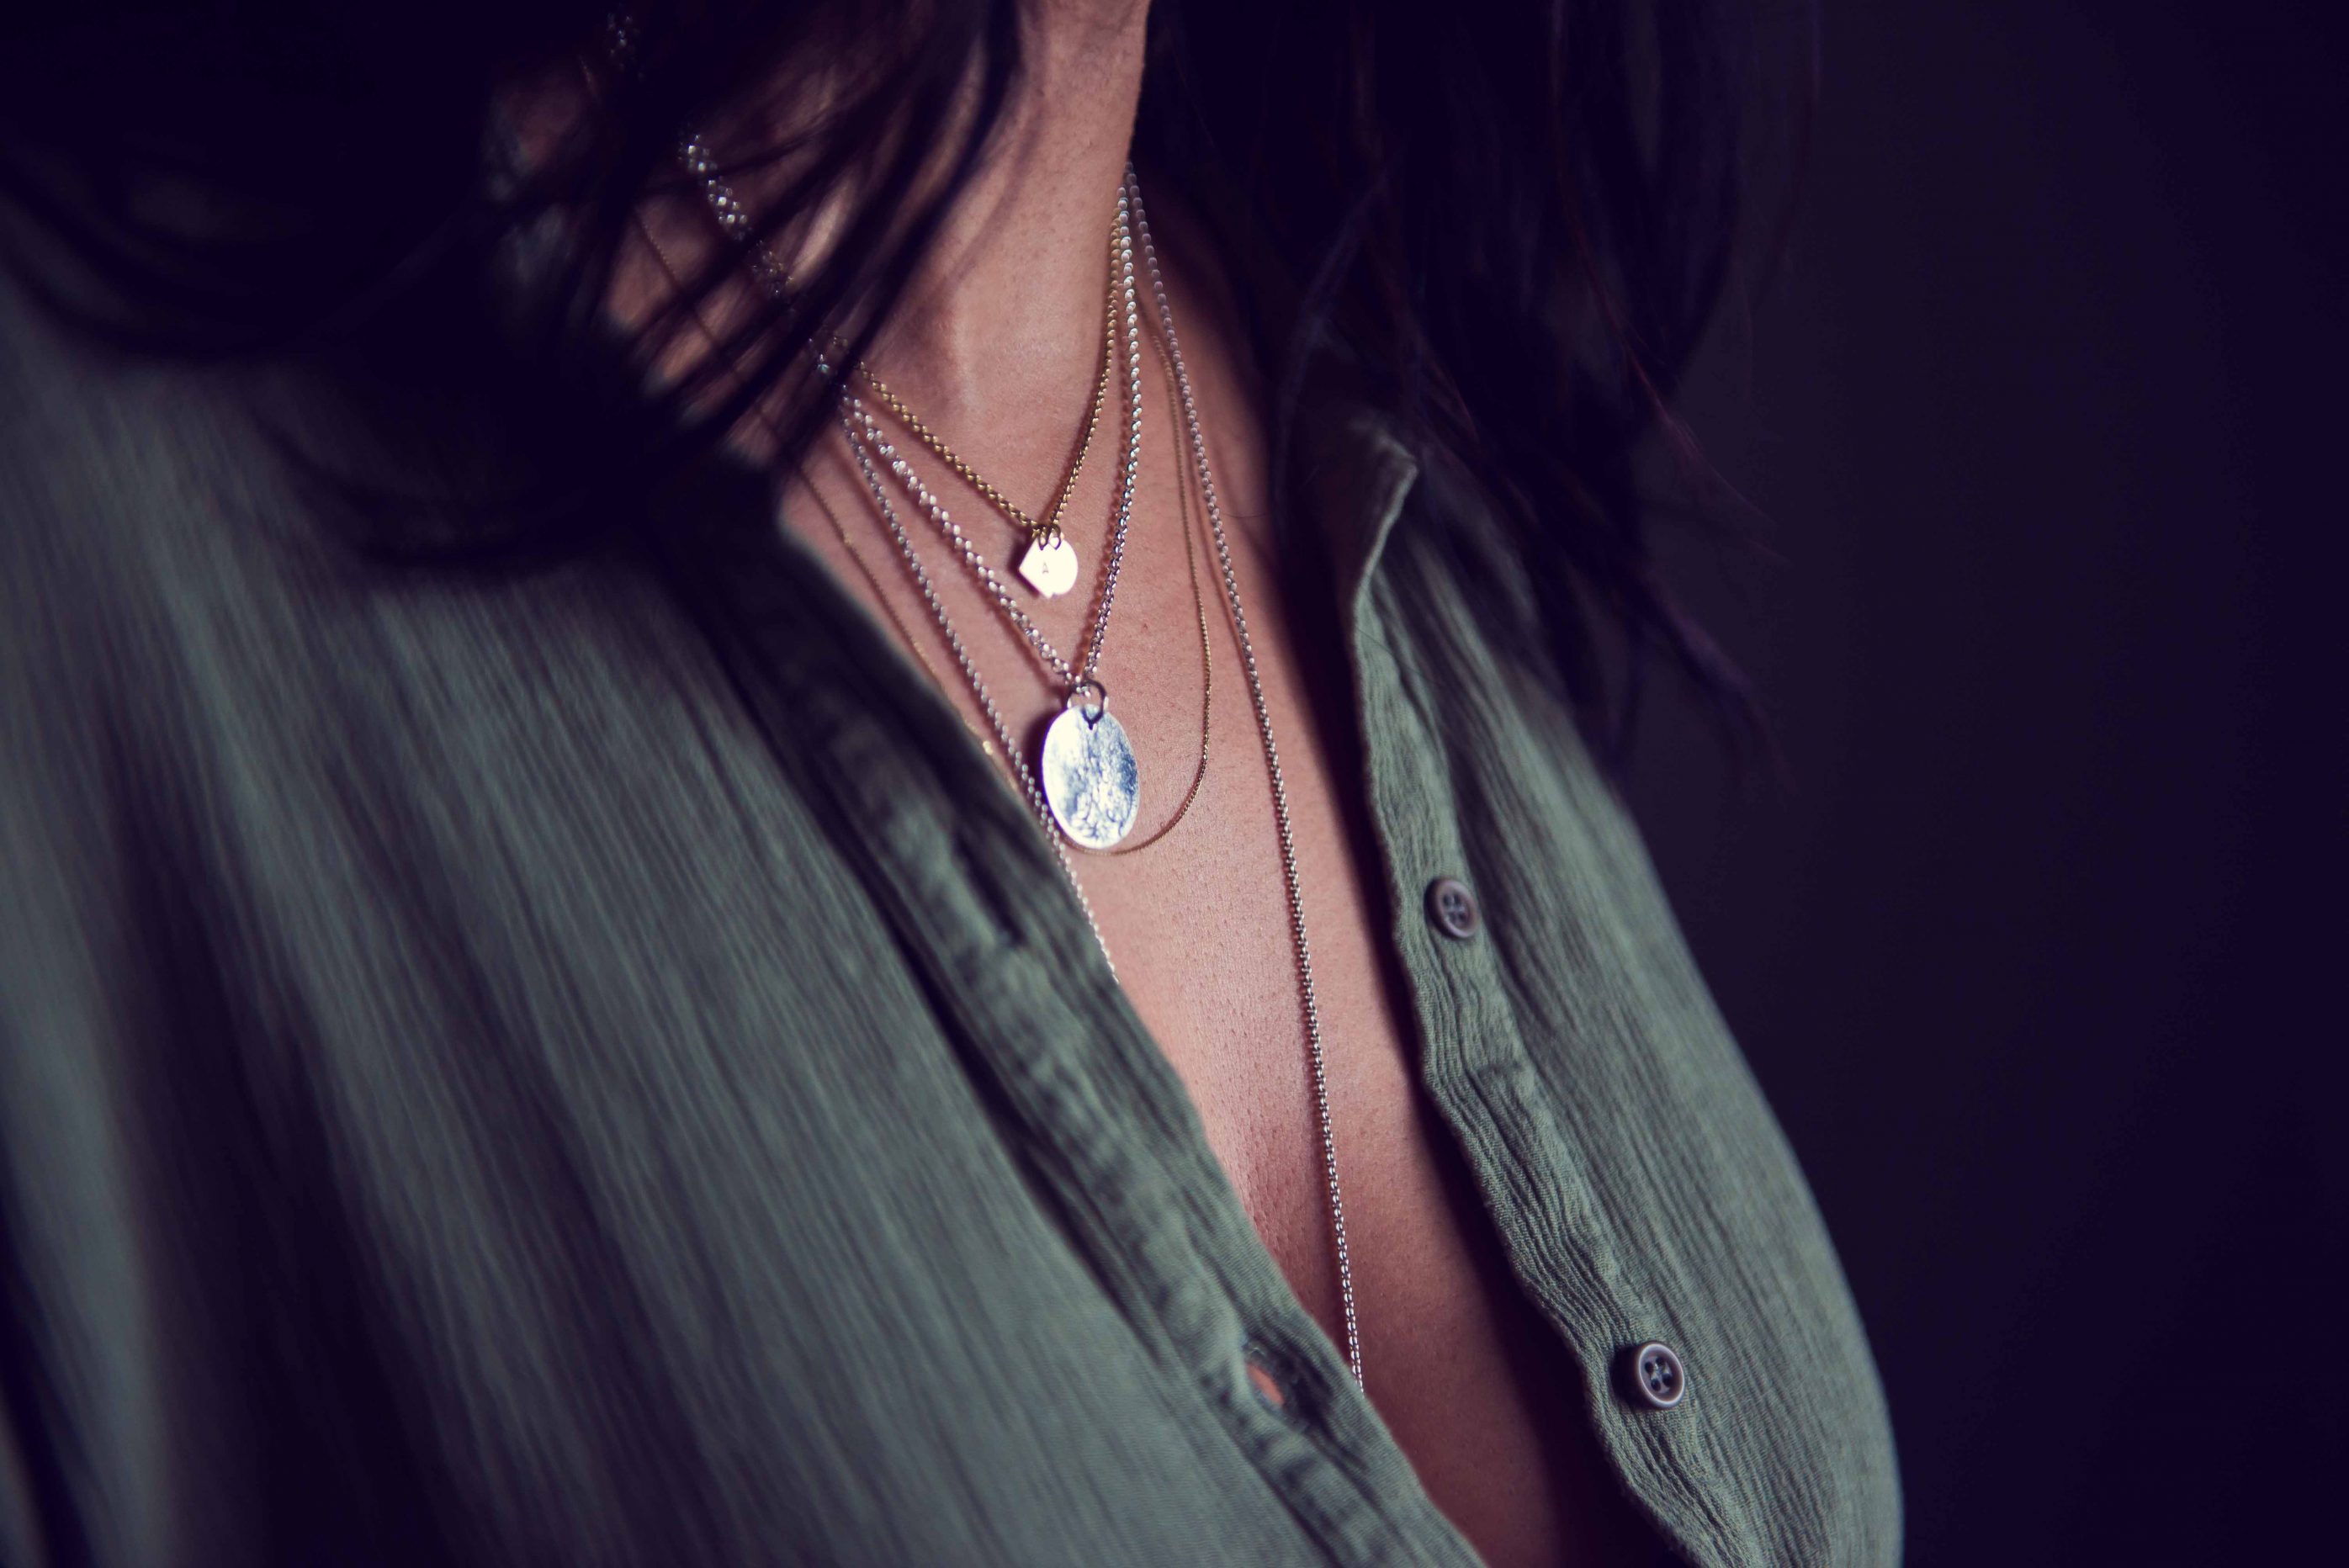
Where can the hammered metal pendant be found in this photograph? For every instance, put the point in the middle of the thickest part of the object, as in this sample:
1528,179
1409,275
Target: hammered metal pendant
1050,565
1089,775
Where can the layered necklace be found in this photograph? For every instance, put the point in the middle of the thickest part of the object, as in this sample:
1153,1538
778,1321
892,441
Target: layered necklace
1084,788
1085,770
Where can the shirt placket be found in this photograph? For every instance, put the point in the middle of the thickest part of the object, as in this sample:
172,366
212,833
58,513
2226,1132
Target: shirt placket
1474,1061
985,917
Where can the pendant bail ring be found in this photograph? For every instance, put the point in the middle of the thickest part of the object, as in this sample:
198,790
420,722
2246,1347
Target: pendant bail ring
1075,699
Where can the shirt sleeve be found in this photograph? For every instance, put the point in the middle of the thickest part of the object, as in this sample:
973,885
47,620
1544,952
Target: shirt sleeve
77,1394
128,1397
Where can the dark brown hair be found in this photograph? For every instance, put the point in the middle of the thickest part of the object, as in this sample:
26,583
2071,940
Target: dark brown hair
1507,221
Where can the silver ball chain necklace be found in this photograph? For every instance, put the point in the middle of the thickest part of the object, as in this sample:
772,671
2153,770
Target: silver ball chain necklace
855,426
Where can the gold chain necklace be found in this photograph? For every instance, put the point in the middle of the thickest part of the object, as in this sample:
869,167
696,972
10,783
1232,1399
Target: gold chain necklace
1199,609
1049,564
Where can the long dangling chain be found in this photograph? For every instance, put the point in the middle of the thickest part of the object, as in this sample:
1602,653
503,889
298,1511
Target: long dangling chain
1316,1056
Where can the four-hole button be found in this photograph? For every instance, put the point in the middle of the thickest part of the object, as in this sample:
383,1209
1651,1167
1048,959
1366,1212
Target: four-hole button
1453,908
1654,1377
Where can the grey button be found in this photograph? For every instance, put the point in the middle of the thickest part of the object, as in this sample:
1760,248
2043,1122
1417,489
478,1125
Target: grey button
1453,908
1653,1376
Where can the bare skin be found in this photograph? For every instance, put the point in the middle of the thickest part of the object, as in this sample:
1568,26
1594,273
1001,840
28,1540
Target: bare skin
998,350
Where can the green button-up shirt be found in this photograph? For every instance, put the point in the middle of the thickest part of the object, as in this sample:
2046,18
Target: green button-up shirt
594,1067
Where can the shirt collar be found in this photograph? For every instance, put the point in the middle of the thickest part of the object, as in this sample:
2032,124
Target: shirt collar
1354,475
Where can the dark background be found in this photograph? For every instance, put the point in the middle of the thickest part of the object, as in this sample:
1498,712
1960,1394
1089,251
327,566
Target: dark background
2036,952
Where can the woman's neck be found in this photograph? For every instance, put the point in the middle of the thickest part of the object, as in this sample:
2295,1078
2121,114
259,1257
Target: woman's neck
1006,314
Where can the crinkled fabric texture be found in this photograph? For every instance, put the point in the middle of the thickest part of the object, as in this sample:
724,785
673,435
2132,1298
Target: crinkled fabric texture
592,1067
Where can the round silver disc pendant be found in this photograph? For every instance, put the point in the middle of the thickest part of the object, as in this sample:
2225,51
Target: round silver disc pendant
1089,776
1051,568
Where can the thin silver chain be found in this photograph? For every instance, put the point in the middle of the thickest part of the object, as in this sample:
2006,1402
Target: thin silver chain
1314,1051
736,222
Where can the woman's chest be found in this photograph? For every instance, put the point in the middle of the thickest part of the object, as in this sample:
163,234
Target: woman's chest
1285,1011
722,1111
